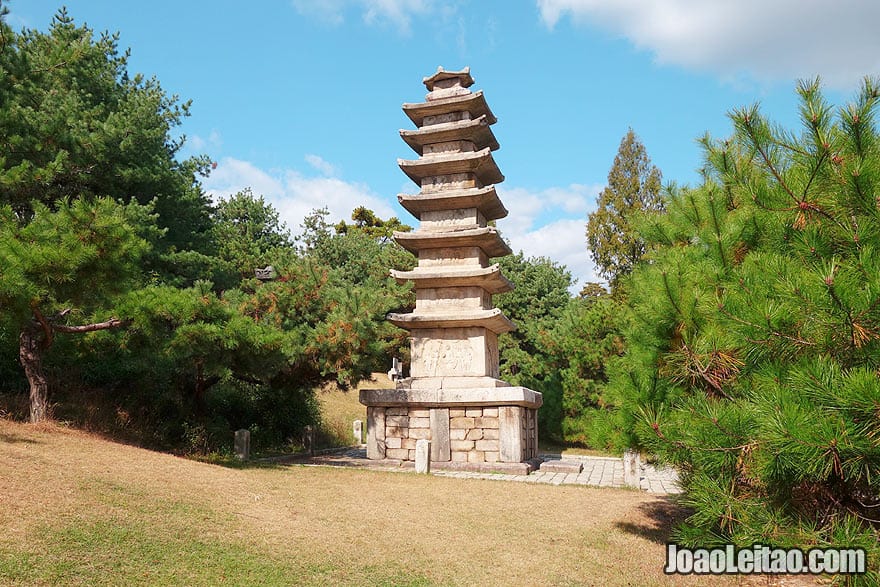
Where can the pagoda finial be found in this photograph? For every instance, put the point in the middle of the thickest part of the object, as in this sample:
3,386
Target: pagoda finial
445,84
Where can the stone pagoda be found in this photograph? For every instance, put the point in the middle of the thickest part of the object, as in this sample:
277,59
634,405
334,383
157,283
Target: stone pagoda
453,396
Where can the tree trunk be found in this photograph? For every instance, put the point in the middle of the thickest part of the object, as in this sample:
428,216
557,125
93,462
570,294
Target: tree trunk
30,352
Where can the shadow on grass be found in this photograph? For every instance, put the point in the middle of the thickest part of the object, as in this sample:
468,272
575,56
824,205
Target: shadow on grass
17,439
332,456
658,518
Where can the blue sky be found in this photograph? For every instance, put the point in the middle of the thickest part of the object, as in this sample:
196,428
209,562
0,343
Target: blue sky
300,99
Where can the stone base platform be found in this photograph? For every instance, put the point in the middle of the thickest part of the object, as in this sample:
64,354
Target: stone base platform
488,468
492,427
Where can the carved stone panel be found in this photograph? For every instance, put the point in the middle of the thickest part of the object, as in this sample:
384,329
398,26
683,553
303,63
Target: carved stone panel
447,352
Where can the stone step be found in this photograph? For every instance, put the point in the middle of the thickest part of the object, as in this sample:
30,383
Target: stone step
561,466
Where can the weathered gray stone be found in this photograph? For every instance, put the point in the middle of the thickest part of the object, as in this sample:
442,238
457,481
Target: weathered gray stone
243,444
376,433
397,453
487,445
510,434
420,433
466,423
440,434
631,468
400,421
423,456
357,430
462,445
485,422
309,439
476,456
562,466
419,422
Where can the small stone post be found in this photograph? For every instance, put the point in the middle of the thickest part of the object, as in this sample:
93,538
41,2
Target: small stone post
631,468
423,456
243,444
357,429
309,440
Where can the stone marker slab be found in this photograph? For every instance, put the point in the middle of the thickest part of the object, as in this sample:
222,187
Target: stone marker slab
375,433
423,456
510,434
440,447
243,444
631,468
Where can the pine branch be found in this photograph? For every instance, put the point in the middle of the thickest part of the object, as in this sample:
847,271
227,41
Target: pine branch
767,161
111,323
815,171
669,293
769,330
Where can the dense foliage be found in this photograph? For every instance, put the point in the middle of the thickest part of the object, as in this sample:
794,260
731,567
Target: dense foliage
633,186
130,301
754,348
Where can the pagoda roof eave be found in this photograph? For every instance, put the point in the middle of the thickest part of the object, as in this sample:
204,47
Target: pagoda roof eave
474,103
493,320
484,199
487,238
480,163
489,278
477,130
441,74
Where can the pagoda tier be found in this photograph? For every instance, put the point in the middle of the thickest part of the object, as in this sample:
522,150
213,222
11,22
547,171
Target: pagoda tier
485,200
488,278
492,320
424,141
456,108
485,238
453,391
479,163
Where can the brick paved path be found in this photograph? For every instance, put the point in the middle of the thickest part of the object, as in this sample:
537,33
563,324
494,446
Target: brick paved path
597,472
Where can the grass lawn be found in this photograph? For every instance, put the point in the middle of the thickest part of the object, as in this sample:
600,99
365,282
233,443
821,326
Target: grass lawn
79,510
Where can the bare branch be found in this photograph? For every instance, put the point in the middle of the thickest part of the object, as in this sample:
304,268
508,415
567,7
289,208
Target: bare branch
111,323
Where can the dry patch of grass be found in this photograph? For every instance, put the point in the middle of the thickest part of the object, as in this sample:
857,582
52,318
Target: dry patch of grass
79,510
339,408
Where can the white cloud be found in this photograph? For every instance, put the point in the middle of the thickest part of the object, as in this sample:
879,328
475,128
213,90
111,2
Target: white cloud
294,194
549,223
563,241
777,40
552,223
321,164
198,143
397,13
328,11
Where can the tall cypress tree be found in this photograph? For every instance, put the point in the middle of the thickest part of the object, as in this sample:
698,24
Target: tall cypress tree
633,186
753,358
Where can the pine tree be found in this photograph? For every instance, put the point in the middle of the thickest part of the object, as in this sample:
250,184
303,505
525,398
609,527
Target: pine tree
61,272
752,360
633,185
